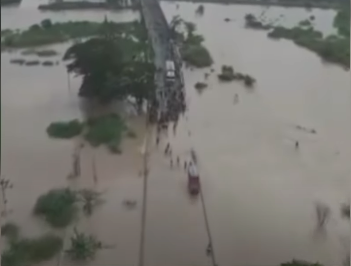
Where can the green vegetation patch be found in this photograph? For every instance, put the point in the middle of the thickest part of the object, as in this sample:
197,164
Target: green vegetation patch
48,32
10,230
107,129
228,74
31,251
65,130
191,48
333,48
196,55
40,53
300,263
57,207
342,21
252,22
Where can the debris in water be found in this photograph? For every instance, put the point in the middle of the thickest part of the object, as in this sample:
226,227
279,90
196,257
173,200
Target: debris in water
307,130
130,203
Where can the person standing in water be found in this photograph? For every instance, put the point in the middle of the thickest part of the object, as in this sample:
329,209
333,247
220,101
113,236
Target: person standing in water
296,145
236,98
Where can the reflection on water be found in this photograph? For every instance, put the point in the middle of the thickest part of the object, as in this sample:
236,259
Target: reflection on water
259,190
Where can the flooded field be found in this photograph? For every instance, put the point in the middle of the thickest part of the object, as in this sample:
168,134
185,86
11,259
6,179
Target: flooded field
259,191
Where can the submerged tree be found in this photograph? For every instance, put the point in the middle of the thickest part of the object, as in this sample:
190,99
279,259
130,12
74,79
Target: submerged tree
322,214
200,10
345,210
90,199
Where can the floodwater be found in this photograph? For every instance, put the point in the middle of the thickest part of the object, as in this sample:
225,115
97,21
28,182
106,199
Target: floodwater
259,191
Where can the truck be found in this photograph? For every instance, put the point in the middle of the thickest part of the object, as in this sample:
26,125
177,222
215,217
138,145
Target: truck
170,71
193,179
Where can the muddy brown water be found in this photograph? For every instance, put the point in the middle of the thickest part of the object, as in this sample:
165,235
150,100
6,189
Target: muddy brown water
259,191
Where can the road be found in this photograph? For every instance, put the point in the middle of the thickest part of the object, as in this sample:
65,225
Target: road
160,241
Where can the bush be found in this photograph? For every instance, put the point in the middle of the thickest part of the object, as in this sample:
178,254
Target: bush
57,207
200,85
89,199
196,55
10,230
83,247
106,129
65,130
27,251
345,210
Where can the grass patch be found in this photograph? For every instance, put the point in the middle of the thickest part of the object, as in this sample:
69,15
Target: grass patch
65,130
57,207
83,247
47,32
107,129
31,251
10,230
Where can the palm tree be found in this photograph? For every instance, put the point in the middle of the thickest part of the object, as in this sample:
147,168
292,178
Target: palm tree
90,199
83,247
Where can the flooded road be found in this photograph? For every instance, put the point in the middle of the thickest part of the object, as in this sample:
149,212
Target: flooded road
259,191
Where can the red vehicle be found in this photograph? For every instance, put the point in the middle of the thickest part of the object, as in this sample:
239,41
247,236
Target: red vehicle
193,179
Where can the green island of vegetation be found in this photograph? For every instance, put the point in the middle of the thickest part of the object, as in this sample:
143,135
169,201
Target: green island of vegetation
10,2
106,129
333,48
227,74
10,230
46,33
58,207
31,251
65,130
200,86
252,22
324,4
191,48
73,5
114,66
40,53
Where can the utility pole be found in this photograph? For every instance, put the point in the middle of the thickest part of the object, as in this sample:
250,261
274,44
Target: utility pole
5,185
68,81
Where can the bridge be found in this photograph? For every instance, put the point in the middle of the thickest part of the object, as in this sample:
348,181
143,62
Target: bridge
164,49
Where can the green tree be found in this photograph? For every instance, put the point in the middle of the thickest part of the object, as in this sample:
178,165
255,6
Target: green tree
97,60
